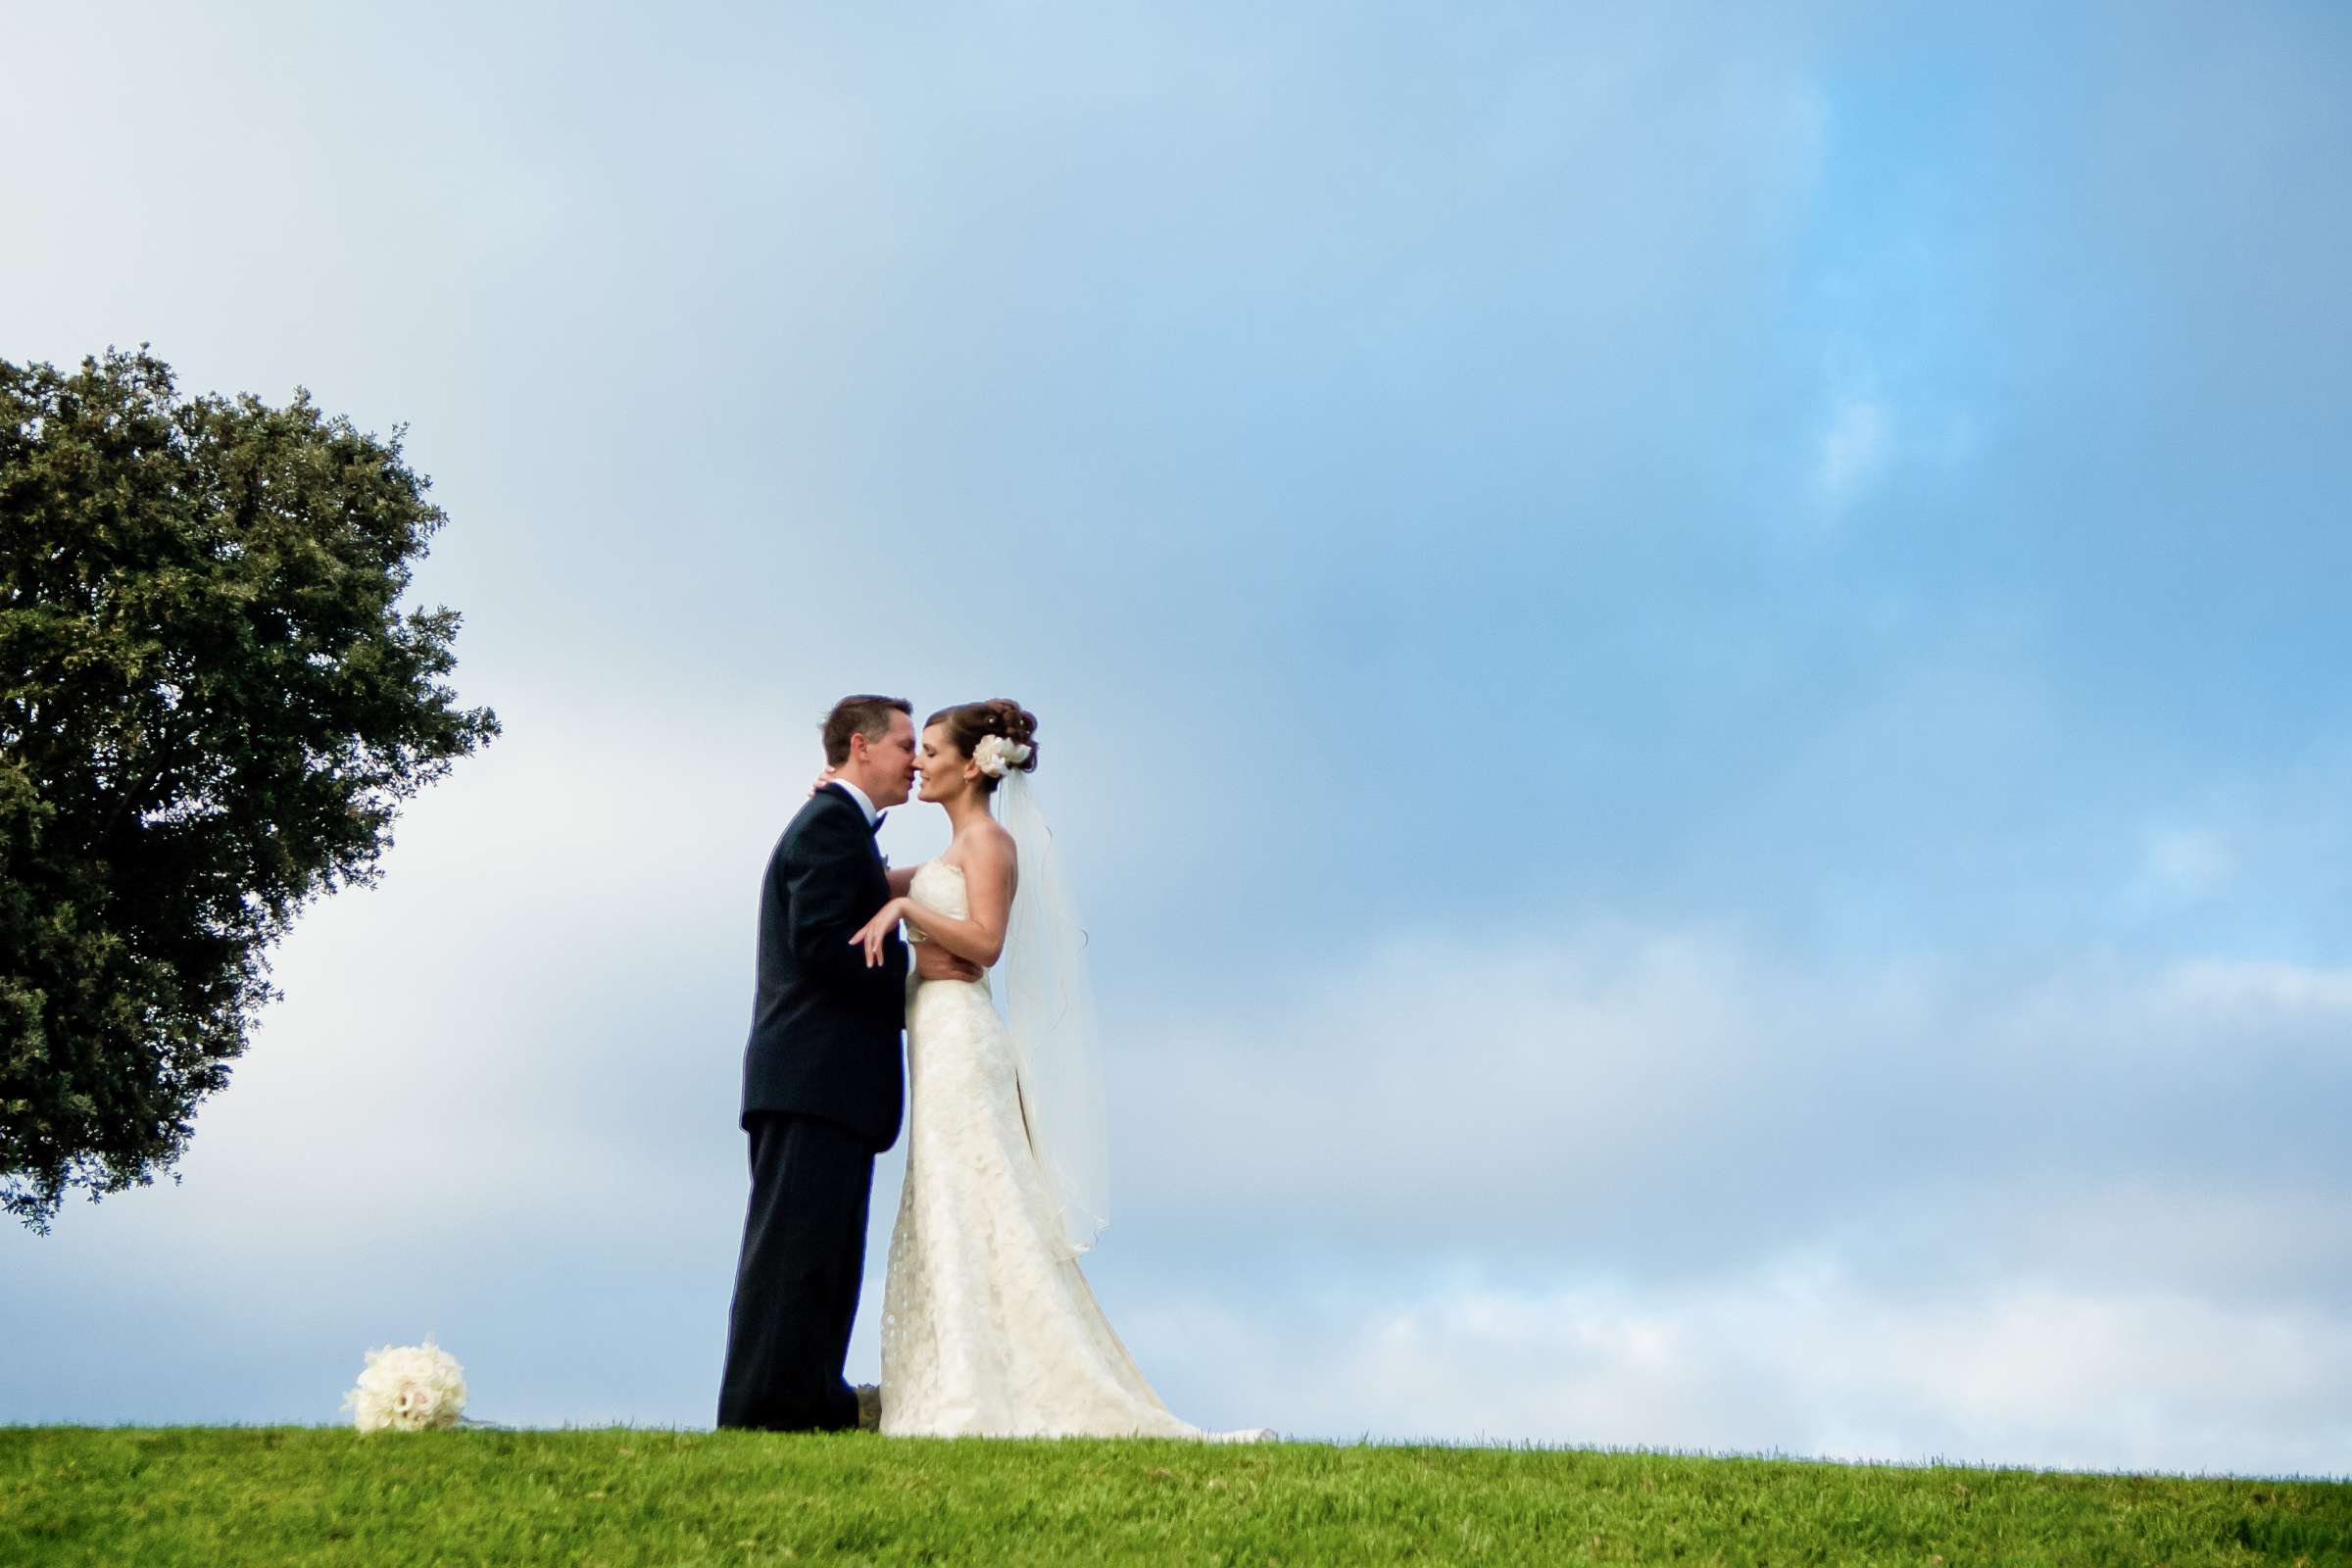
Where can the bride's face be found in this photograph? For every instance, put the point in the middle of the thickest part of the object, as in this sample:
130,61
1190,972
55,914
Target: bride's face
947,771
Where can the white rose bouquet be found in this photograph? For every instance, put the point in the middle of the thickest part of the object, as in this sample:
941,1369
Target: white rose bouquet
409,1387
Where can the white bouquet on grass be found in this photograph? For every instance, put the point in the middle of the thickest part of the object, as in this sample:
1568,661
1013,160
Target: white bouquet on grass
409,1387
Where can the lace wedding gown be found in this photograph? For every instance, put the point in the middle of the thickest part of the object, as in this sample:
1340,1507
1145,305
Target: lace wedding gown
987,1327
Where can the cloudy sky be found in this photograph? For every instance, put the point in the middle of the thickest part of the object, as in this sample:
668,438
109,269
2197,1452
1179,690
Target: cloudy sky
1691,660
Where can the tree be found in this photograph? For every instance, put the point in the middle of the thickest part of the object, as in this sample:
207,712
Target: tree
210,706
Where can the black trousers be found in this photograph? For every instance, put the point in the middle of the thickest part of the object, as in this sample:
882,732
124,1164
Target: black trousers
795,1284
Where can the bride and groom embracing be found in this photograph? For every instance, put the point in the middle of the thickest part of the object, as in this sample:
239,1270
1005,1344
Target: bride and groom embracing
987,1327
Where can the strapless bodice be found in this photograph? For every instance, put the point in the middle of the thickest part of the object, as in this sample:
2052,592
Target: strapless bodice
941,886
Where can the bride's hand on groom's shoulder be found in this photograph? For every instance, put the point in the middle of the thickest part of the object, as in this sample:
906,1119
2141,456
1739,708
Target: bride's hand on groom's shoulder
825,777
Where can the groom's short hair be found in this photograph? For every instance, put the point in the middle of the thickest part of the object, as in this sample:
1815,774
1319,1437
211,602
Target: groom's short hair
868,717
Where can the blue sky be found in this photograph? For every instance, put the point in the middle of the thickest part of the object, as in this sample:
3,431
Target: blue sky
1689,658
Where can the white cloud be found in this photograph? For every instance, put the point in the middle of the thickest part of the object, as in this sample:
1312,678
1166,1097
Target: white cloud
2188,862
1855,450
1798,1357
2285,992
1613,1085
1638,1187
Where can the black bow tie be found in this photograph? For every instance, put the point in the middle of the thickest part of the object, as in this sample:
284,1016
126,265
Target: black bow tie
877,827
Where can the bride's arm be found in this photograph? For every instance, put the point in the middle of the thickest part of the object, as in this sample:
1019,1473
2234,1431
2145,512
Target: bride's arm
987,877
901,880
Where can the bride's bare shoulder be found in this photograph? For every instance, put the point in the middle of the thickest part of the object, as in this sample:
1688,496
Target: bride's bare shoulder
982,848
989,839
980,845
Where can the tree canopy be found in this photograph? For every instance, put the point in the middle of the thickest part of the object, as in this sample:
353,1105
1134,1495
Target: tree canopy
210,706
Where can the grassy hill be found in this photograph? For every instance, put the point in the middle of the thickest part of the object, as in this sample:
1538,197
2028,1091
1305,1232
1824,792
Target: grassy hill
158,1496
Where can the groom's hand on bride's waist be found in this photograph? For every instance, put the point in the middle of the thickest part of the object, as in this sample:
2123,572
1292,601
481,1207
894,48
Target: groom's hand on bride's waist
934,963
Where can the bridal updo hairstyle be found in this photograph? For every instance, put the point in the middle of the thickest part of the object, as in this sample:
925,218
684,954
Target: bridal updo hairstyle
970,723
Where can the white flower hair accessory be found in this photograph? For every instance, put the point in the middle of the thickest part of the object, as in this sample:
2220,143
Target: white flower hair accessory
409,1387
998,754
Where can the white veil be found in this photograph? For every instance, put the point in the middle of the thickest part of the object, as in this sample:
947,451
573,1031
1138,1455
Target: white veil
1050,1012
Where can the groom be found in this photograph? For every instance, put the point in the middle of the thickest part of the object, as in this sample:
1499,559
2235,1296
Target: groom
823,1087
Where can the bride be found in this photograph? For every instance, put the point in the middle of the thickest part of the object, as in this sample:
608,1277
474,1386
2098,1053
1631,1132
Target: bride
987,1327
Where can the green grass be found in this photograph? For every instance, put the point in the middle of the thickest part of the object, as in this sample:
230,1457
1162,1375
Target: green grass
157,1496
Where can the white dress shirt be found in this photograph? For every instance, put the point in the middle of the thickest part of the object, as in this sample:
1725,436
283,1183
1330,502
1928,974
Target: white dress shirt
859,795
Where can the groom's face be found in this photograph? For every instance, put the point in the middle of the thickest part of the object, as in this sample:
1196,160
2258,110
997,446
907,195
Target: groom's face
890,762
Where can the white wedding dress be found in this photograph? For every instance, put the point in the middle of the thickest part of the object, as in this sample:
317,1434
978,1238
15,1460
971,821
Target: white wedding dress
987,1327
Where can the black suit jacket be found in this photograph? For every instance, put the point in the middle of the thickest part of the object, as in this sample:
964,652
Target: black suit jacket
825,1027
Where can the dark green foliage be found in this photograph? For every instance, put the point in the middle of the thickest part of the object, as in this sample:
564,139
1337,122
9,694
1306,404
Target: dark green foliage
210,709
220,1497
